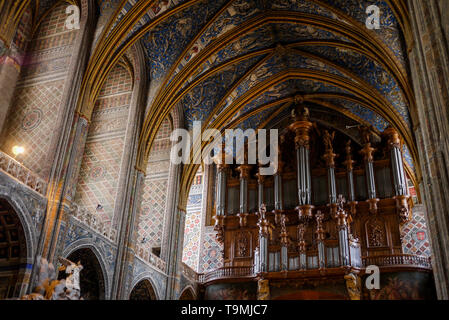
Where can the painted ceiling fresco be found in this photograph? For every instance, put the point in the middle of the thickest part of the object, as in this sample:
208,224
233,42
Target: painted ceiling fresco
217,53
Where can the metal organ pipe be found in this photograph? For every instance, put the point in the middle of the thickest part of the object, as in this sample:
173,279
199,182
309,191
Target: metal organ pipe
397,165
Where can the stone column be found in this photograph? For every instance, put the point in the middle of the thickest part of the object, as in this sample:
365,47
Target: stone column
397,167
10,65
368,157
302,126
429,69
174,263
127,239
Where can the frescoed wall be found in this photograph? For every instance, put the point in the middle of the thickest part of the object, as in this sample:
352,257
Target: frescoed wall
232,291
403,286
154,196
297,290
100,171
193,225
36,106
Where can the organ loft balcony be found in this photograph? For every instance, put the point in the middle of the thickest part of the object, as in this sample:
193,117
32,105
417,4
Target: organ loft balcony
336,210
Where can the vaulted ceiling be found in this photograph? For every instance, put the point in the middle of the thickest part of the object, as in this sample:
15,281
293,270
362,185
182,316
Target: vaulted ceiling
241,63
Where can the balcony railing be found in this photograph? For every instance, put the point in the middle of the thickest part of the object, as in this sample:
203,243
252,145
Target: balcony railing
398,260
151,258
91,220
227,273
21,173
189,273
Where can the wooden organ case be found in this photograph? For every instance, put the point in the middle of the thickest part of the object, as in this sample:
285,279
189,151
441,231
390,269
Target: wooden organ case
334,206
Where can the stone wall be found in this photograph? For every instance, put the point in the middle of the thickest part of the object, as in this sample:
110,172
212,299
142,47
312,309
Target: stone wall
430,76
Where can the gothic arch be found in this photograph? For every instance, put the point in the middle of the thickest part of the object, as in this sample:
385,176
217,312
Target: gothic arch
145,277
188,294
101,271
25,219
143,291
16,235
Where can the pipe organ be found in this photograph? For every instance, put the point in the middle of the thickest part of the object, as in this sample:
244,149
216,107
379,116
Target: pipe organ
333,203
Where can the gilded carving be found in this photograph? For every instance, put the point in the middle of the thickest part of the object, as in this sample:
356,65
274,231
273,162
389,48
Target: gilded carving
263,290
376,232
354,286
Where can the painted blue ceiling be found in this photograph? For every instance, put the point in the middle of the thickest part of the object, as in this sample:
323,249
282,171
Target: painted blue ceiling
174,44
167,41
200,102
390,32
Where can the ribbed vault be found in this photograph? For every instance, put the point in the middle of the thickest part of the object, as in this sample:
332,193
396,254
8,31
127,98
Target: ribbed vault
241,63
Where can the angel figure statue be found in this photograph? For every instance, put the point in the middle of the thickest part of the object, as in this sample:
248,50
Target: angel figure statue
72,282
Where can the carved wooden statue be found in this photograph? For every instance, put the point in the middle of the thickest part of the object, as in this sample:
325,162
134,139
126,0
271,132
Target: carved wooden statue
354,286
263,290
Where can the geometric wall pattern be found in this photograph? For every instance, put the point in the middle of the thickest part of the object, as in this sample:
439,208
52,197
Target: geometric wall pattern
154,197
192,238
37,102
201,251
193,224
212,257
415,238
152,213
99,176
